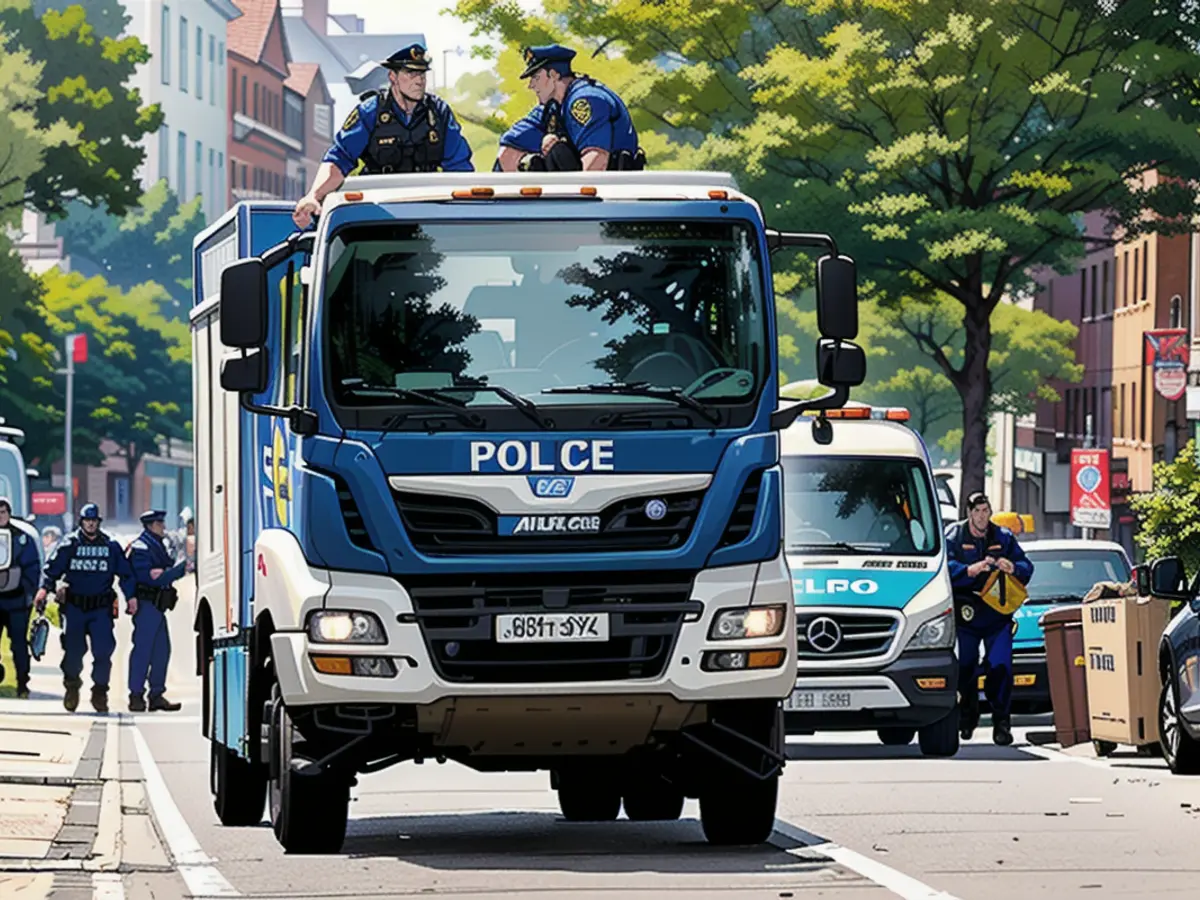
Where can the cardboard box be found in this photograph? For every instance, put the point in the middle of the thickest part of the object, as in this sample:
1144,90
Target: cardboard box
1120,637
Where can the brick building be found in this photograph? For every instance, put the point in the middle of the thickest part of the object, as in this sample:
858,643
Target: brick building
308,116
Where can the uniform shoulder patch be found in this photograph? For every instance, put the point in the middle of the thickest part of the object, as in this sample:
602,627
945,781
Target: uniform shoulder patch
581,111
351,120
138,544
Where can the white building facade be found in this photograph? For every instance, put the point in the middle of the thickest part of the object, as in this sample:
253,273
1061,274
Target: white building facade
186,77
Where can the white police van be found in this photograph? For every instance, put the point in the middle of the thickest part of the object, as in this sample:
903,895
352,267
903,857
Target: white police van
874,607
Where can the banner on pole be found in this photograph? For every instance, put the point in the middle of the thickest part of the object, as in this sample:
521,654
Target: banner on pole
1091,494
1169,351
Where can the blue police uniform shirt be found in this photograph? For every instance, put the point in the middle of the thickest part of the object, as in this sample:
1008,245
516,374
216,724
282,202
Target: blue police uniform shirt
149,552
593,115
26,558
349,143
87,565
963,549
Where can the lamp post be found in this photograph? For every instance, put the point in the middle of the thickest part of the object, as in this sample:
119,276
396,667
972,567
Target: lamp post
75,346
457,51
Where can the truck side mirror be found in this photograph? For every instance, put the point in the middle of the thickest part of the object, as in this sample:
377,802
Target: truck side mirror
837,298
1168,581
245,373
840,363
244,304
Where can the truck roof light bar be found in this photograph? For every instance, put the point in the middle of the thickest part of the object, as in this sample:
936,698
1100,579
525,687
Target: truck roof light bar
531,192
474,193
886,413
718,195
352,195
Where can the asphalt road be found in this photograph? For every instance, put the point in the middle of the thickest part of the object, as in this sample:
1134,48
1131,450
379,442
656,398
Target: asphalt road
856,819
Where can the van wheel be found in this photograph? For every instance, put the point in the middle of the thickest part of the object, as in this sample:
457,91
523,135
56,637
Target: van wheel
941,738
896,737
239,787
585,797
649,798
308,812
737,811
1180,750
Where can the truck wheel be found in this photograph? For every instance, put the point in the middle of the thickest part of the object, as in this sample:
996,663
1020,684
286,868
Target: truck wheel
1179,750
896,737
308,812
650,799
239,787
737,811
941,738
584,798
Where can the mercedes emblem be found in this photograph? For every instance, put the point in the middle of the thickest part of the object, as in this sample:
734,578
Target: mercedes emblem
824,634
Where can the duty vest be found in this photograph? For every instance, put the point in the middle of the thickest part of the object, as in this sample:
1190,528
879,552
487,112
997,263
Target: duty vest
396,147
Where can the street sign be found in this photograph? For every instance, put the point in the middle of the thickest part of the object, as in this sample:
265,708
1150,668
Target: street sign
48,503
1168,350
1091,505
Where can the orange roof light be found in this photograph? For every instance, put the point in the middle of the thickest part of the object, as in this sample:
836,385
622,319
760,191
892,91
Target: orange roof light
718,195
897,414
588,191
531,192
353,195
849,412
473,193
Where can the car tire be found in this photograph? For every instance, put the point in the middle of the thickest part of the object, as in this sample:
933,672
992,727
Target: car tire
1180,750
588,799
738,811
896,737
941,739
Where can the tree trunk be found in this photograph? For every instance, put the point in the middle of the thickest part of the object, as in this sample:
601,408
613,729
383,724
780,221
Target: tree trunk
974,385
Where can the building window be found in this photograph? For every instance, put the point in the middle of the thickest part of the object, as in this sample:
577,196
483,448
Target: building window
212,70
1176,312
1127,297
323,126
165,41
199,63
183,54
1145,268
1104,431
181,162
293,116
256,103
1136,268
221,70
220,198
164,153
1142,426
1120,429
1094,308
243,95
1104,289
212,178
199,169
1083,293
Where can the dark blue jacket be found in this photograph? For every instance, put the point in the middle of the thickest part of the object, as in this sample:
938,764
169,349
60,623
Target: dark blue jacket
88,566
963,549
145,553
26,559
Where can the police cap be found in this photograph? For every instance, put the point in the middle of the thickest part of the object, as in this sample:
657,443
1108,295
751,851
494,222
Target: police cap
153,515
413,58
550,56
90,511
5,504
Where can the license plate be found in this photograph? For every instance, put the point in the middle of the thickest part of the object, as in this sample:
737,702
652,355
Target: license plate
1018,680
540,628
808,700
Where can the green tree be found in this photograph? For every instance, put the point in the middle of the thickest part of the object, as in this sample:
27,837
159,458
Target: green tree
153,241
107,17
1169,516
950,145
82,83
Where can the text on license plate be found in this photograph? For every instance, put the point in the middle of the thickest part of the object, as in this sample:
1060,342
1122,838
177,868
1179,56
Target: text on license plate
1018,681
545,627
803,700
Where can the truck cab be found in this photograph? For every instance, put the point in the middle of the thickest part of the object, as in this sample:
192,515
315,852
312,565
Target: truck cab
874,607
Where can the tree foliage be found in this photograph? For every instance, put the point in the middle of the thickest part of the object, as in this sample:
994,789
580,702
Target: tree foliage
1169,516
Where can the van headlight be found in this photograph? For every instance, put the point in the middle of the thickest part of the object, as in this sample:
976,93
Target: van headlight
754,622
936,634
345,626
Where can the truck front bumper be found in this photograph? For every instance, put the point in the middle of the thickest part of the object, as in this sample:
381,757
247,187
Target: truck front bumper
916,690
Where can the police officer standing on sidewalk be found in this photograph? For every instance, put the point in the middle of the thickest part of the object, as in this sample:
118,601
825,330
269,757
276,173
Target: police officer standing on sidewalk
976,547
20,567
88,560
151,596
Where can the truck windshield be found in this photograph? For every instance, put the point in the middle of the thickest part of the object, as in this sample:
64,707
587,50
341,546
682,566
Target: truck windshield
12,479
1066,575
664,309
859,505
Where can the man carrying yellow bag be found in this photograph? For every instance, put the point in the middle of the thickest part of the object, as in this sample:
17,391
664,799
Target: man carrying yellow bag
988,572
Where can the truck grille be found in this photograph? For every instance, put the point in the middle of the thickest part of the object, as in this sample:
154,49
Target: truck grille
439,525
458,623
851,635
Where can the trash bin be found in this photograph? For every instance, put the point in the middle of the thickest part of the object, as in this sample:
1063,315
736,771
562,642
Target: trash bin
1066,667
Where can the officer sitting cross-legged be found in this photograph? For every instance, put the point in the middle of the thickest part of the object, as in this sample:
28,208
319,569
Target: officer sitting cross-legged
20,569
88,560
398,129
976,547
151,595
578,124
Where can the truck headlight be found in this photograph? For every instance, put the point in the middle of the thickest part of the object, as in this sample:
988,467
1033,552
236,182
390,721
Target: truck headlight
753,622
936,634
345,626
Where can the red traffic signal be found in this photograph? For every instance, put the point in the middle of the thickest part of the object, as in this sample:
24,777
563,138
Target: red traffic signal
79,348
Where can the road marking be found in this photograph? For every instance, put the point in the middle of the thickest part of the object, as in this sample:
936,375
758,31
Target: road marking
107,886
871,869
194,865
1060,757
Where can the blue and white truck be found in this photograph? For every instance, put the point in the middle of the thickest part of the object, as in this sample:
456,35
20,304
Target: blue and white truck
874,606
488,471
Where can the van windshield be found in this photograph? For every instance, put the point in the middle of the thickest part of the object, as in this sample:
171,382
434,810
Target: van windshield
859,505
1067,575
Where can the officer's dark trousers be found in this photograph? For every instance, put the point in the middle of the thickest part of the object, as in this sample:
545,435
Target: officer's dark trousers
80,627
14,618
995,632
151,650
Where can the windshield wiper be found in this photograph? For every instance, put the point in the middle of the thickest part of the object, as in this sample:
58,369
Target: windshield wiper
523,404
1057,598
454,408
641,389
835,545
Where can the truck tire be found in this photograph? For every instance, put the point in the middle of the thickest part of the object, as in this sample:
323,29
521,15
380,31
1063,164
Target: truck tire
651,799
1180,751
239,787
584,798
738,811
308,812
896,737
941,738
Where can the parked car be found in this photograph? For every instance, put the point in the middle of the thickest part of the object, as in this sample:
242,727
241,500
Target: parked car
1179,667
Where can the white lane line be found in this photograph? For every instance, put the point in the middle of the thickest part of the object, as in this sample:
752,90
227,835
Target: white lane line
871,869
196,866
107,886
1059,756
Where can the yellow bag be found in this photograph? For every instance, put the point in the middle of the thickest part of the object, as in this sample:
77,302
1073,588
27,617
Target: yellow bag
1003,593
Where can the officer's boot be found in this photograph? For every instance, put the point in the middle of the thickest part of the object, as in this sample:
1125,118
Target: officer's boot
159,702
1001,730
968,715
71,695
100,699
23,687
137,703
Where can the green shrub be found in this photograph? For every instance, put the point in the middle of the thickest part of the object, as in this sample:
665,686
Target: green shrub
1169,515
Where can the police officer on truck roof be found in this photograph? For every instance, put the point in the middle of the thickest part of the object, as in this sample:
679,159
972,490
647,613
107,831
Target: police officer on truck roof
398,129
20,568
975,547
151,594
578,124
88,560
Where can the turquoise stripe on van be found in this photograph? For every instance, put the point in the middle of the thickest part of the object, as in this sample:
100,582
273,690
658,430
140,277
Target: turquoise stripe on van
858,587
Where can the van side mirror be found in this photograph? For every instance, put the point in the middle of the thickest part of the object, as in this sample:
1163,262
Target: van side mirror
244,304
1168,580
837,298
247,373
840,363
